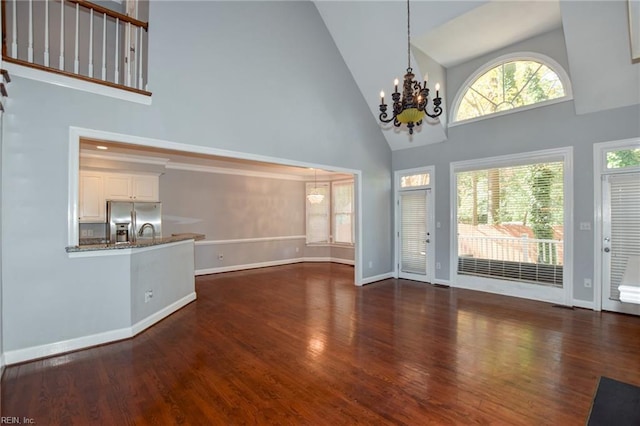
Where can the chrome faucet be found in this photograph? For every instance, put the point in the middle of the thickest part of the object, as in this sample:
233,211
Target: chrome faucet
144,226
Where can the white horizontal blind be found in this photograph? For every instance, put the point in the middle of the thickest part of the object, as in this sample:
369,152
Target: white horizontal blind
510,222
318,214
342,205
413,229
625,225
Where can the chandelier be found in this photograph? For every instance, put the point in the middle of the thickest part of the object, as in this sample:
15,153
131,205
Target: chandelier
314,196
410,106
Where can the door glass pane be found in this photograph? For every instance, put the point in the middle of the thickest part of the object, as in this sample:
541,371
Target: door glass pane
413,206
623,158
414,181
625,225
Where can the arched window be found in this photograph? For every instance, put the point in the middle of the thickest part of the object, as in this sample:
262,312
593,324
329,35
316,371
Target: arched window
509,83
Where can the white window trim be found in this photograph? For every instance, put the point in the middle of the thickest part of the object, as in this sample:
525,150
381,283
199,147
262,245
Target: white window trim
563,296
517,56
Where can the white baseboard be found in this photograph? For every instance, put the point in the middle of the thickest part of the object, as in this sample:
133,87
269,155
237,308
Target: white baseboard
50,349
442,282
1,364
375,278
243,267
162,314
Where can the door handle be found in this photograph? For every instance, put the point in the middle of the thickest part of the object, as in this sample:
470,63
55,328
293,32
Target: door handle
607,249
427,240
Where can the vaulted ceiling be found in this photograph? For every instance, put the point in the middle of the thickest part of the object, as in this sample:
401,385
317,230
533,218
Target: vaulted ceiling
372,38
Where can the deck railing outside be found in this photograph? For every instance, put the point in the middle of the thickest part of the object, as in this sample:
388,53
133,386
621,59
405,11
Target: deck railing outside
523,249
78,39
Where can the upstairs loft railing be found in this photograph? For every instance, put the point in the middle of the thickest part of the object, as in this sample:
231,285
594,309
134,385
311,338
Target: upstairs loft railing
77,39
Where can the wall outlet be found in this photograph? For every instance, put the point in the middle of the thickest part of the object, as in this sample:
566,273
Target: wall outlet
220,256
297,249
148,295
438,266
89,232
83,233
587,282
370,264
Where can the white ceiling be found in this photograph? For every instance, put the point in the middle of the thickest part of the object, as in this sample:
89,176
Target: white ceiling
488,28
372,38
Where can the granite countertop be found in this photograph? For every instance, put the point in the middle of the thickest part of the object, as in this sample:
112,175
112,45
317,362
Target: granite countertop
140,243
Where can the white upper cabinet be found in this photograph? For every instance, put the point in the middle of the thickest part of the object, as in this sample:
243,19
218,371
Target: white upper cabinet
96,188
145,188
92,206
131,187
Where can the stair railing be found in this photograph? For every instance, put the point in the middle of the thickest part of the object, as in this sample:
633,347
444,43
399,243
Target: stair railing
78,39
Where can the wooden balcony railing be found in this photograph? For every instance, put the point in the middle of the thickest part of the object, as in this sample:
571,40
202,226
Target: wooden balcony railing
77,39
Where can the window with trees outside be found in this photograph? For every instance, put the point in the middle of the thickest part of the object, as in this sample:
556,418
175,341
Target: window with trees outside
331,220
510,222
508,85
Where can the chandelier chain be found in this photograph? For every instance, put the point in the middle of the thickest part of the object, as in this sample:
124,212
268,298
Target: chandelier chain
408,37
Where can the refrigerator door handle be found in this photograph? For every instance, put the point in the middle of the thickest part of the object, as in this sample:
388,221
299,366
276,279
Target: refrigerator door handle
134,226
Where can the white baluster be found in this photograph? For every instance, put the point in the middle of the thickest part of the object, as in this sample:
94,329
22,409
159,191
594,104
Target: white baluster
61,65
46,33
14,32
90,43
140,86
30,46
104,46
134,72
127,55
117,71
76,60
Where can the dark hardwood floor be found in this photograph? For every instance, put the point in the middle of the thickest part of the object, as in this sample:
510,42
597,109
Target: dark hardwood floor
301,345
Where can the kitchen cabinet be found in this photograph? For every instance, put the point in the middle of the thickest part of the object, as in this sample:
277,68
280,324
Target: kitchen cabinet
97,187
126,187
92,206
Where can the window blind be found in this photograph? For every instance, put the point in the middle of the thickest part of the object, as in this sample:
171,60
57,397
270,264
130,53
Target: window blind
342,193
510,222
413,225
625,225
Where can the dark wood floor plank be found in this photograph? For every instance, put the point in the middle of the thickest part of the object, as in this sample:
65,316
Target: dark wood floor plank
301,345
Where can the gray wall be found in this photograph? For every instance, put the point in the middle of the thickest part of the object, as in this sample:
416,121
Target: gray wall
251,77
235,207
541,128
228,207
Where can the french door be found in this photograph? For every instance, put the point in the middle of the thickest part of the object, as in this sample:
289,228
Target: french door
414,235
620,236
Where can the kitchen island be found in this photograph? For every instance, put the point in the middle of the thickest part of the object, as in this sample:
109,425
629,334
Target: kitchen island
128,288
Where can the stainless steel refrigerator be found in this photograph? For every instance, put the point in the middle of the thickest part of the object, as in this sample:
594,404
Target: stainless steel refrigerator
130,222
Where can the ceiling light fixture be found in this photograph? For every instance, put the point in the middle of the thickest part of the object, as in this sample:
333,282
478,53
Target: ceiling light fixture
101,147
314,195
411,106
